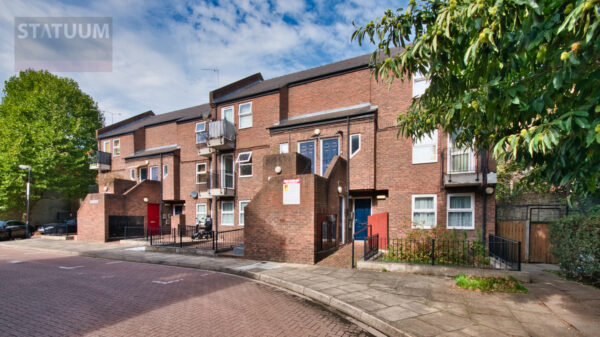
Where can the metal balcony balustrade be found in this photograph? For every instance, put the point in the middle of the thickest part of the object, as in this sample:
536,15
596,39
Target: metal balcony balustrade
219,135
99,160
219,184
460,167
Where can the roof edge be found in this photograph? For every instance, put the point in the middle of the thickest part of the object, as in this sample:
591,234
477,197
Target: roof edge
124,122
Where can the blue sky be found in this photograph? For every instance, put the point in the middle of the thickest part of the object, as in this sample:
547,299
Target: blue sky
160,49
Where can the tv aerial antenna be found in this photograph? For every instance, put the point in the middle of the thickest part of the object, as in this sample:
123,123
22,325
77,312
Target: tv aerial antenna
214,70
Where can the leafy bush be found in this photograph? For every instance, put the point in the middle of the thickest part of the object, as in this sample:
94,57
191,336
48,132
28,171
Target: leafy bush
576,241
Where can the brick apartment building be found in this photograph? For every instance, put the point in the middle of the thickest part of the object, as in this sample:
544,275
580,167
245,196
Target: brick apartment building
213,159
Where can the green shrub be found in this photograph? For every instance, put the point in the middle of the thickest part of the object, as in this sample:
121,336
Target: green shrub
499,284
576,241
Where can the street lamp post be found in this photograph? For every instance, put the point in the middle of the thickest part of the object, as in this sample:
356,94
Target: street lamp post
28,168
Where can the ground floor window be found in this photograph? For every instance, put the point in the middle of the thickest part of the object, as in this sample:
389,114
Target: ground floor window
424,209
227,213
242,206
461,211
200,213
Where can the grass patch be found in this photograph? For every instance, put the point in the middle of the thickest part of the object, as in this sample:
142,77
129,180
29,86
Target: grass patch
496,284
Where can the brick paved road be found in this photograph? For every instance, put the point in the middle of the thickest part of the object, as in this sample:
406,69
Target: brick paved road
45,294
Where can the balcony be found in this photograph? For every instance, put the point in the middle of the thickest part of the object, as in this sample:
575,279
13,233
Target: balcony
99,161
220,184
221,135
461,168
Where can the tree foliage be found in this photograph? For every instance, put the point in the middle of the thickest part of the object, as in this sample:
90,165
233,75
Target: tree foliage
46,122
519,76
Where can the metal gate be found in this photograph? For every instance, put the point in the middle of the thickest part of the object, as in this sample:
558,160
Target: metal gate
117,224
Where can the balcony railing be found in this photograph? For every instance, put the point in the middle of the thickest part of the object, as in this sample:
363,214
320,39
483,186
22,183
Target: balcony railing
217,184
99,161
221,135
460,167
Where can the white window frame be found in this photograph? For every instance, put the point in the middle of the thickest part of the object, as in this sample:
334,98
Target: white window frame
132,174
241,212
467,150
418,145
165,170
321,151
150,173
460,210
232,112
116,148
227,213
245,163
240,115
287,147
359,144
423,210
197,132
200,172
104,149
224,175
205,210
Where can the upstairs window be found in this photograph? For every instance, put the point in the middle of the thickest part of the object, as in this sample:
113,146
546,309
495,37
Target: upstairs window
106,146
200,132
245,161
200,173
154,173
424,210
132,174
116,147
420,84
165,170
425,149
227,114
245,114
354,144
284,148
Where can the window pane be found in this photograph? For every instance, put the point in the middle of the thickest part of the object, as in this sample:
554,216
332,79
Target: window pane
227,207
244,157
200,137
245,108
246,169
424,203
227,219
460,202
426,219
245,121
284,148
154,173
165,170
460,219
200,127
424,154
355,143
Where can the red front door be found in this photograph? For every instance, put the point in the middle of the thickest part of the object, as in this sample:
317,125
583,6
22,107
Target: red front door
153,216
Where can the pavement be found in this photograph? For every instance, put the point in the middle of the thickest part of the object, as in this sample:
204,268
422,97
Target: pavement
393,303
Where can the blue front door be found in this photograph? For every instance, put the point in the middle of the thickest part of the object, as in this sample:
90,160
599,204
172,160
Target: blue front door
330,150
307,149
362,210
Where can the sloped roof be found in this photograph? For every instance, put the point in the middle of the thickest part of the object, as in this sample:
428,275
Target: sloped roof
273,84
196,112
154,151
326,116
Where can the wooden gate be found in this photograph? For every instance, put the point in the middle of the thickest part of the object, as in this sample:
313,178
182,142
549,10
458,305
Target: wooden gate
539,244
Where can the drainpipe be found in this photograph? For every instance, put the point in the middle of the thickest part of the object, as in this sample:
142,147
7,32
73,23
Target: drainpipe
351,237
484,196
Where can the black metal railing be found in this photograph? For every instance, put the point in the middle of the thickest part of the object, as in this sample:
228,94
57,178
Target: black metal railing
99,157
468,253
221,129
184,237
505,252
371,246
365,228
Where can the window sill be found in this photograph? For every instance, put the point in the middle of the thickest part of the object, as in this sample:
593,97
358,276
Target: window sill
425,162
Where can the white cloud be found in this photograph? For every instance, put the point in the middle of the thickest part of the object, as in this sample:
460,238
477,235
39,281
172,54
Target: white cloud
160,52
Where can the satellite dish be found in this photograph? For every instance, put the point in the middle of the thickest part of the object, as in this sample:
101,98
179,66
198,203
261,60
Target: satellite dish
194,194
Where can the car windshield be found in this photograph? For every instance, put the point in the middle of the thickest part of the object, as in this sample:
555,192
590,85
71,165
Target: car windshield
2,223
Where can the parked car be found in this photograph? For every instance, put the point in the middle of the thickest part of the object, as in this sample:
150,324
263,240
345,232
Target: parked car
12,229
67,226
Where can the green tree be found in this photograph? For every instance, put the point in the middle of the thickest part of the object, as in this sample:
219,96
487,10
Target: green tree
517,76
46,122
